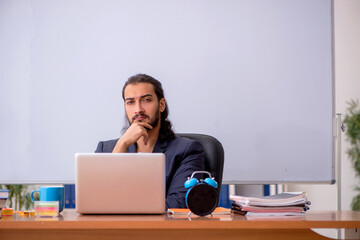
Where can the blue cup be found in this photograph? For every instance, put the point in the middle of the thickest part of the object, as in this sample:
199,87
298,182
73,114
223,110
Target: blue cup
51,193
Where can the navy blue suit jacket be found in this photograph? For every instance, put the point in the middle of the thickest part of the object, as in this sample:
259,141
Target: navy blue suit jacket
183,157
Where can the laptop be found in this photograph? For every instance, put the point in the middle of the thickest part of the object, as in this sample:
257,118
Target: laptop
120,183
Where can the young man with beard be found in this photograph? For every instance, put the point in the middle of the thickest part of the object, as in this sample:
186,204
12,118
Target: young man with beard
149,131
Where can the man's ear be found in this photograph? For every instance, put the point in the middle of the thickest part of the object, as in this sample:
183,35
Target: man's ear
162,104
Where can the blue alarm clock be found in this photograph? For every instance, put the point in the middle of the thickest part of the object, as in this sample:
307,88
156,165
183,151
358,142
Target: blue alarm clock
202,197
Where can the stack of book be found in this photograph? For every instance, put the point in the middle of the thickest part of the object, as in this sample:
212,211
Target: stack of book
283,204
4,196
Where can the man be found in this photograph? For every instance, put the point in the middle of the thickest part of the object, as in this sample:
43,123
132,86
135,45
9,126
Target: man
149,130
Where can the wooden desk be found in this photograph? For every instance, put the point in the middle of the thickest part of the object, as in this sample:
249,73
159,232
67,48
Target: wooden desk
71,225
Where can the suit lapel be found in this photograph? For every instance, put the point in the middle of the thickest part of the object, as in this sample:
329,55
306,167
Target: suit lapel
160,146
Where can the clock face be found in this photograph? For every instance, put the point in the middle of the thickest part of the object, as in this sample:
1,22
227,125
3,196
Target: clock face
202,199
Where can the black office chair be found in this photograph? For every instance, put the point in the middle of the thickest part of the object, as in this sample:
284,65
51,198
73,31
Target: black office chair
214,155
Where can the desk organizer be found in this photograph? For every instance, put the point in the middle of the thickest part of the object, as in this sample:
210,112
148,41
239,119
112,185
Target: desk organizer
46,208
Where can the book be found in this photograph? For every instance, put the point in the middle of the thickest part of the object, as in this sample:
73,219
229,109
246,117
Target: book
255,214
69,195
4,193
184,211
276,204
282,199
3,203
262,217
224,197
255,209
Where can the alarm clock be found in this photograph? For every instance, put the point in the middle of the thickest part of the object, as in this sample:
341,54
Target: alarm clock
202,197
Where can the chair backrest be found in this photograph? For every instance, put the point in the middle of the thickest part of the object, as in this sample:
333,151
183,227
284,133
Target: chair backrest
214,155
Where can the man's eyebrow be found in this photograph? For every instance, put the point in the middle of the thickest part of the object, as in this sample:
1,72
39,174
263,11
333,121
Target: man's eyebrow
146,95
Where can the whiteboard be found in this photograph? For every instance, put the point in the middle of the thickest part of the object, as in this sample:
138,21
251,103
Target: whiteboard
255,74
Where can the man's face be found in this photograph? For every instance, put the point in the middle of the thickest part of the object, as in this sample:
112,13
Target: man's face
142,105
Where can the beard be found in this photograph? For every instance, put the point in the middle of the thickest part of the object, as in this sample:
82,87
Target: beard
154,122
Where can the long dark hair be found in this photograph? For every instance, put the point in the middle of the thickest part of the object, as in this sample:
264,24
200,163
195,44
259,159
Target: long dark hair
166,133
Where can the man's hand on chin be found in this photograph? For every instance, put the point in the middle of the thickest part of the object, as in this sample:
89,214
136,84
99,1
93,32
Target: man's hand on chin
132,135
